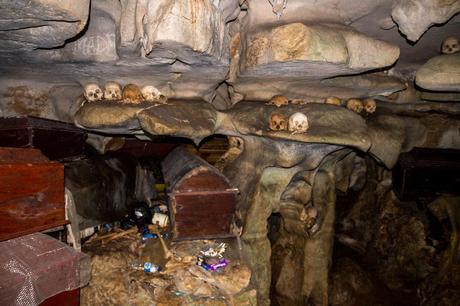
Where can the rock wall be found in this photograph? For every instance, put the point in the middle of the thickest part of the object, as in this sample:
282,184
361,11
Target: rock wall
294,175
226,51
217,62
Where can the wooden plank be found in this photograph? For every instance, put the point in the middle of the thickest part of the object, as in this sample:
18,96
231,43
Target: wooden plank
65,298
202,180
59,144
202,202
15,137
426,173
19,155
31,198
140,149
185,171
203,216
45,266
57,140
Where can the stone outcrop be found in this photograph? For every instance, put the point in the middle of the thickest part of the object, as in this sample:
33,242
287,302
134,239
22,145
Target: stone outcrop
99,42
27,25
392,129
218,62
414,17
176,29
338,50
441,73
293,59
291,173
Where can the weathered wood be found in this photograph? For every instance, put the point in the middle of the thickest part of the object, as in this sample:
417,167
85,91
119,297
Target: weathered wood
201,200
57,140
35,267
31,193
103,187
17,155
67,298
426,173
149,149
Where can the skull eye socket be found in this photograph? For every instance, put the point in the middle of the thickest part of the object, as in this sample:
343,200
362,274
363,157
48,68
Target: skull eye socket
91,94
98,91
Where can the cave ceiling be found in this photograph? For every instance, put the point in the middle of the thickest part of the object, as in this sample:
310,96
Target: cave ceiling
225,51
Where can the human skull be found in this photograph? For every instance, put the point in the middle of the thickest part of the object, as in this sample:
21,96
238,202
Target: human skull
235,142
309,216
355,105
297,102
93,92
450,45
112,91
298,123
277,122
370,106
333,101
278,101
131,94
152,94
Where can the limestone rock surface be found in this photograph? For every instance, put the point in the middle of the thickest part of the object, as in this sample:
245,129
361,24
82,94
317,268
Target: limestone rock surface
26,25
296,59
109,115
317,51
99,42
441,73
414,17
174,28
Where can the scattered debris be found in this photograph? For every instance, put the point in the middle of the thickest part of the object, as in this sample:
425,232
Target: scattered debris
144,267
218,252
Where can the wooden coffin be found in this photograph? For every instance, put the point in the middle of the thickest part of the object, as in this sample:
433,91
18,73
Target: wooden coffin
57,140
31,192
426,173
201,200
67,298
37,269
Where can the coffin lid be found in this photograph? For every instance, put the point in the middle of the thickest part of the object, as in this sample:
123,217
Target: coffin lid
185,172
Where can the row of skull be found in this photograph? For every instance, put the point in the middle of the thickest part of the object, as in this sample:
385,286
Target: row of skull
369,105
297,123
130,93
353,104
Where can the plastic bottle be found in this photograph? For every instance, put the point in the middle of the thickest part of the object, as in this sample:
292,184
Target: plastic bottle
147,267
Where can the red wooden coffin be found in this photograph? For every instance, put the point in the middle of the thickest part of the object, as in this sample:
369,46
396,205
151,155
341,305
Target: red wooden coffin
65,298
31,192
57,140
37,269
201,200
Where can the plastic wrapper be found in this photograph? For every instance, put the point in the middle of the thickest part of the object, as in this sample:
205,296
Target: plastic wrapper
36,267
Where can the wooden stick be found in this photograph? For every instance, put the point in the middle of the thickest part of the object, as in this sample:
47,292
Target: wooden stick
109,237
155,230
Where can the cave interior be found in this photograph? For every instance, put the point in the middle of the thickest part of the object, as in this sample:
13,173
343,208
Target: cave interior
230,152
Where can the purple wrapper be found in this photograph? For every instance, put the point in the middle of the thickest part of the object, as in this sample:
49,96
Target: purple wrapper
222,263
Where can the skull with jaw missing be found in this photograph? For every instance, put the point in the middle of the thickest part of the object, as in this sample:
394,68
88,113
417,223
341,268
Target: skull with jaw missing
93,92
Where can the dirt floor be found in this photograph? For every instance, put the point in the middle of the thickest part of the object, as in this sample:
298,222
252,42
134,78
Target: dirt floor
118,280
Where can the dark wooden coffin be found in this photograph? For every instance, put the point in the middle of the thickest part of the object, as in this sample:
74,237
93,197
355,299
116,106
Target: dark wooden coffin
426,173
149,149
57,140
201,200
31,192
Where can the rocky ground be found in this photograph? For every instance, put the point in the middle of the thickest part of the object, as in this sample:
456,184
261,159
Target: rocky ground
115,281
